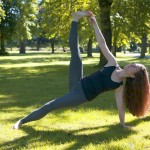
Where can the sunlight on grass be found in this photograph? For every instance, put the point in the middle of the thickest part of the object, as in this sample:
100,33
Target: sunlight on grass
40,60
29,81
3,96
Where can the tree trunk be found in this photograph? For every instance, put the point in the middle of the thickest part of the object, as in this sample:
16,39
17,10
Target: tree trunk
52,41
64,50
38,44
144,46
2,40
105,6
89,47
114,47
149,46
52,46
22,47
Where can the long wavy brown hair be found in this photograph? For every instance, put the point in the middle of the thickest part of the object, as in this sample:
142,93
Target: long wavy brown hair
137,93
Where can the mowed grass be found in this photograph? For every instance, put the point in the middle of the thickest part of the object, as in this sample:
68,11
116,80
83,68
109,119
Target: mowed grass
29,81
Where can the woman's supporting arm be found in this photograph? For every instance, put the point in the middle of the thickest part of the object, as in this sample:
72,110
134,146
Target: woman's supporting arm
120,104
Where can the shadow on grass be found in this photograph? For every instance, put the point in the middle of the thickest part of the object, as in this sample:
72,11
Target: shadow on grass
138,121
55,137
35,59
72,136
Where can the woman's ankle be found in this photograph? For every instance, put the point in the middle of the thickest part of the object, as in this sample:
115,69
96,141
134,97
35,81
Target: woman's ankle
75,17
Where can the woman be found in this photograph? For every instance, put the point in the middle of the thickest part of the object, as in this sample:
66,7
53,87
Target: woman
135,92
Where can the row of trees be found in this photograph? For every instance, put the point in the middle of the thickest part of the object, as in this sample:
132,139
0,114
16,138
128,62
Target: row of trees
120,21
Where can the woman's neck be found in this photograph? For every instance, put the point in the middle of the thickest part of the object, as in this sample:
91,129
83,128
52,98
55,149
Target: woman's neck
121,74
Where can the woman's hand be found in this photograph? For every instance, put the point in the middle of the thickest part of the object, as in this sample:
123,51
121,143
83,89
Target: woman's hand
92,20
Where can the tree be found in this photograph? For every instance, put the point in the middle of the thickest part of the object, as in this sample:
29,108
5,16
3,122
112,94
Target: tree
2,15
119,22
105,23
89,47
142,27
8,23
56,18
26,21
18,22
130,22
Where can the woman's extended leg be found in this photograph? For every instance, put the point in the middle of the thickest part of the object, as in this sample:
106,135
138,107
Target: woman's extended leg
73,98
75,69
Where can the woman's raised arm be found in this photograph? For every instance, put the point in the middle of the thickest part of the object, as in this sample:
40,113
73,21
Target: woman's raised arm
102,43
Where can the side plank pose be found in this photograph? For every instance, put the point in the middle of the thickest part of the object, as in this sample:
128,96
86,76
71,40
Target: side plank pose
135,93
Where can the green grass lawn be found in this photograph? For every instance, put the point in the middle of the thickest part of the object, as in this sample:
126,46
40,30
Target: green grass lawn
28,81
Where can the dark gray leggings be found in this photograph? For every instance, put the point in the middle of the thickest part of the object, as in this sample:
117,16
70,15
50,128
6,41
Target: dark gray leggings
76,95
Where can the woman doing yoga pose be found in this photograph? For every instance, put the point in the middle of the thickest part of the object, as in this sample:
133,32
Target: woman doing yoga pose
134,93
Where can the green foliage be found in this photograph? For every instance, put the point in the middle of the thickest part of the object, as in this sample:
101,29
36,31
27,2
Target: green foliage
8,21
2,12
130,20
18,21
139,17
27,17
56,17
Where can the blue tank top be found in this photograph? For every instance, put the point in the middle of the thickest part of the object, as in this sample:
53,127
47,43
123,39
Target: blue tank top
99,82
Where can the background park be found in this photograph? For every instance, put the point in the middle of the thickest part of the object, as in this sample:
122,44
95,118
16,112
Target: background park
34,60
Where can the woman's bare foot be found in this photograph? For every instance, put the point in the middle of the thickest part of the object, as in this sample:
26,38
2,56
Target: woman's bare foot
17,125
79,14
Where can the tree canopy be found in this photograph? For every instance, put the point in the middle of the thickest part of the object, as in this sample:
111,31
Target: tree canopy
121,22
